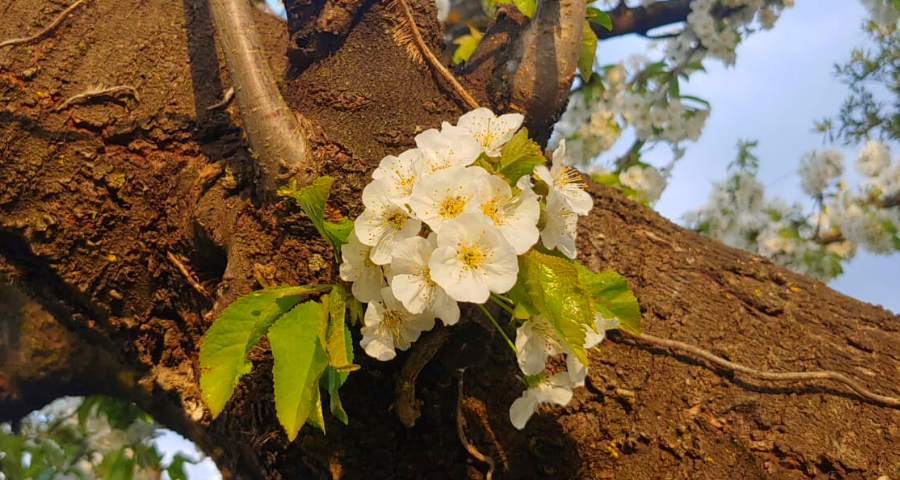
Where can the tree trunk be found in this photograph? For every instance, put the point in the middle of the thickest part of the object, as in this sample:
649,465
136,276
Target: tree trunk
119,215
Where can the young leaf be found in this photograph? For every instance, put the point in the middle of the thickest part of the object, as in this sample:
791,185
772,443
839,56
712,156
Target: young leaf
466,45
338,343
312,200
588,52
519,156
599,17
553,287
331,381
316,418
223,353
527,7
299,362
612,297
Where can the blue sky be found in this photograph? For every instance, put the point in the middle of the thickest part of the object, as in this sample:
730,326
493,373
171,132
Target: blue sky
781,83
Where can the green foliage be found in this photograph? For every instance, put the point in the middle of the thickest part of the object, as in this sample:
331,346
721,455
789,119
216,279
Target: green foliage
223,353
466,45
299,361
612,297
599,17
550,285
527,7
519,156
588,52
312,200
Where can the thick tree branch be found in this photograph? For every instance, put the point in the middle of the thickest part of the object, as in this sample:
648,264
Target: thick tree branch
642,19
274,132
542,63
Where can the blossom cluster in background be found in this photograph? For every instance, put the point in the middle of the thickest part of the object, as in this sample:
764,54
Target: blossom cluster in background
446,222
816,242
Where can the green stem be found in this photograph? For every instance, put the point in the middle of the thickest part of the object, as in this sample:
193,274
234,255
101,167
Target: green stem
498,327
503,306
505,299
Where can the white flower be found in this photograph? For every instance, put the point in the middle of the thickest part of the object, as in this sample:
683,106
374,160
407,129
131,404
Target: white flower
647,182
873,158
399,174
389,326
515,216
565,183
535,341
446,194
412,283
560,229
578,371
451,147
556,389
383,224
817,169
473,259
489,130
356,267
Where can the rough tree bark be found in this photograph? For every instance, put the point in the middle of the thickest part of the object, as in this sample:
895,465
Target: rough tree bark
100,201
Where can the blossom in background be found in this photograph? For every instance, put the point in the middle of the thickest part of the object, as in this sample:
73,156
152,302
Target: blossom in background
473,259
873,158
383,224
819,168
412,283
357,267
389,326
646,181
556,389
489,130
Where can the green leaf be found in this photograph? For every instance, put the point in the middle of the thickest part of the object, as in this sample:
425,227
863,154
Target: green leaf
696,99
316,418
299,361
338,343
466,45
612,297
312,200
674,88
331,381
527,7
519,157
553,288
223,353
599,17
176,468
588,52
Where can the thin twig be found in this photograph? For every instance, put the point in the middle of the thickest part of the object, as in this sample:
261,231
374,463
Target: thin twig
461,432
99,91
36,36
226,99
773,376
432,59
188,275
406,406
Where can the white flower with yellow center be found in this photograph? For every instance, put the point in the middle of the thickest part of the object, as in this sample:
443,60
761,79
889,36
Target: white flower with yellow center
399,174
565,183
451,147
446,195
473,259
561,228
389,326
383,224
412,283
515,216
489,130
555,389
357,267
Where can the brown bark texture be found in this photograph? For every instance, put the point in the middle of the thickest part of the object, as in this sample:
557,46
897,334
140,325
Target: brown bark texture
101,202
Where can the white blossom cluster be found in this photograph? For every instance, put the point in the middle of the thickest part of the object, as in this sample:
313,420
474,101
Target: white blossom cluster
739,214
439,229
